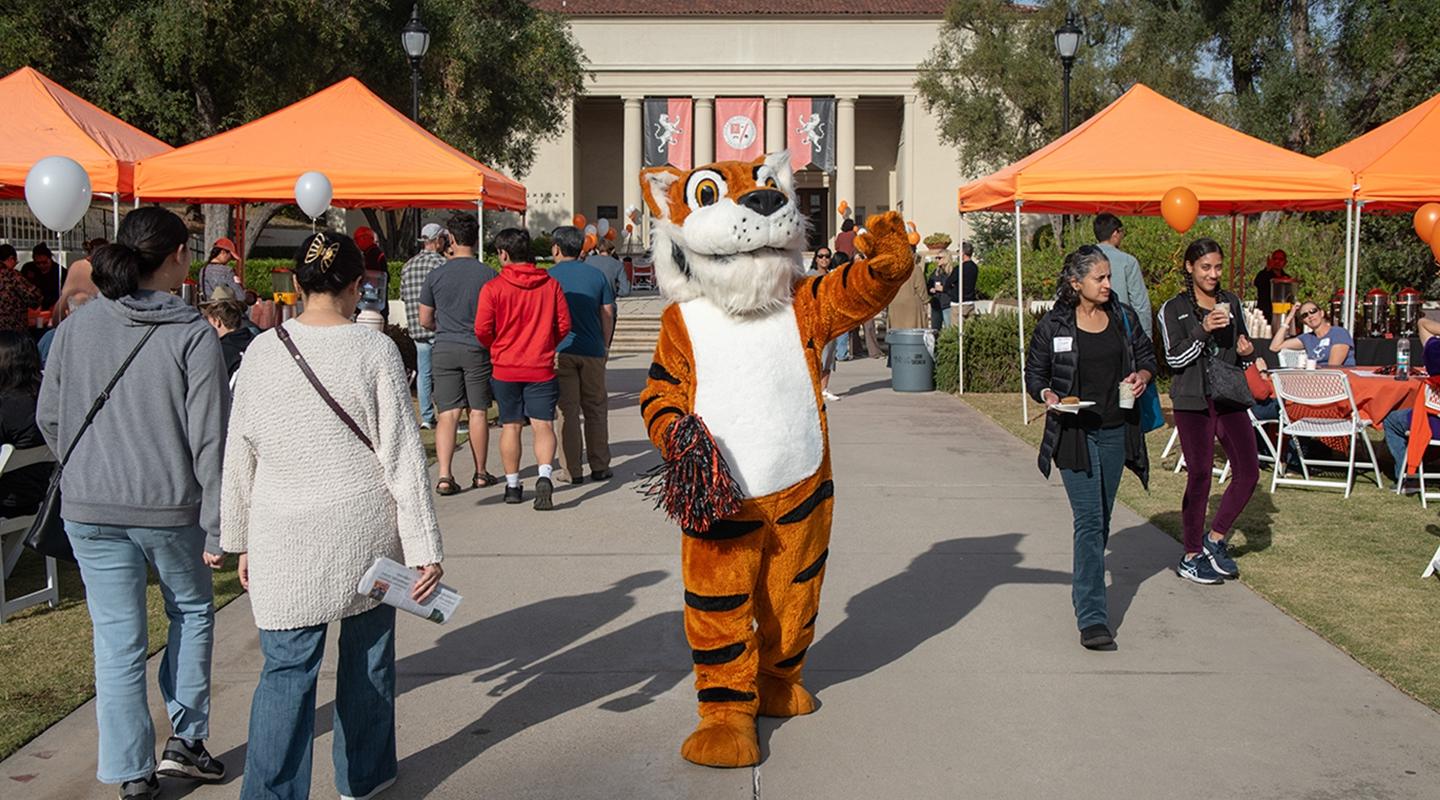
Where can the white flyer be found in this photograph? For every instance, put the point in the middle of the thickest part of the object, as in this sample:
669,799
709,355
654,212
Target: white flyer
391,582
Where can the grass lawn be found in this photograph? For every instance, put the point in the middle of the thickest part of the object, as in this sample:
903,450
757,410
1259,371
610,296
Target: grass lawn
45,654
1347,569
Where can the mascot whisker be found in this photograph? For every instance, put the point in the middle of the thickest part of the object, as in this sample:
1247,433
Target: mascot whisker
733,403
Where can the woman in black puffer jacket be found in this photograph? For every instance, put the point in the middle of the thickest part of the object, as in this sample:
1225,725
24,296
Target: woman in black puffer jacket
1085,348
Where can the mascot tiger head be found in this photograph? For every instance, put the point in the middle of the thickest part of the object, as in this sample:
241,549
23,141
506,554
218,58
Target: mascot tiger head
729,232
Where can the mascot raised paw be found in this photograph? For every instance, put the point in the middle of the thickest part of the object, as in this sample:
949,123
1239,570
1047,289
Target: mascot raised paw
733,403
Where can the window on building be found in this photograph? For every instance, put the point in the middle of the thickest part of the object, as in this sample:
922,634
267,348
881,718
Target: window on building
607,212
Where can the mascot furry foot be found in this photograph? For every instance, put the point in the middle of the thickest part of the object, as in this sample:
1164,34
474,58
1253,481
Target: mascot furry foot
723,740
745,330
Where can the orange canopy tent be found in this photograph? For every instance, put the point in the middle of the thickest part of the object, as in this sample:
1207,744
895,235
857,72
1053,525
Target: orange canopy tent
43,118
1396,168
374,156
1127,156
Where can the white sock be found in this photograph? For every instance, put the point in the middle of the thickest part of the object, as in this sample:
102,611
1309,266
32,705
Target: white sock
545,470
512,479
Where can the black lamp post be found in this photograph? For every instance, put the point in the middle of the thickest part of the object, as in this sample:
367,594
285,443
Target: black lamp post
415,38
1067,42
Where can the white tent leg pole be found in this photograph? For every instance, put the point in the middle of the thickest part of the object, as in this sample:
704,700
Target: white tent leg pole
480,220
1355,264
1020,319
137,201
958,312
115,215
1345,312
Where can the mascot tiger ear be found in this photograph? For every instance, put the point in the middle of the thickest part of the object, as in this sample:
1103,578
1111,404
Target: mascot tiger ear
655,183
777,166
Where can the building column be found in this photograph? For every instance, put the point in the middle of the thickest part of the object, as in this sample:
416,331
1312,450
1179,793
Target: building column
704,137
774,124
907,152
633,144
844,156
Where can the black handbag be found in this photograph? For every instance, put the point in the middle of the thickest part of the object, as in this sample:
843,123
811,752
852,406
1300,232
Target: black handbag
47,532
1228,387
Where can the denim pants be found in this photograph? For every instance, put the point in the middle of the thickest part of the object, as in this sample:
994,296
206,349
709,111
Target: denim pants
1397,436
114,562
842,347
282,715
424,382
1092,498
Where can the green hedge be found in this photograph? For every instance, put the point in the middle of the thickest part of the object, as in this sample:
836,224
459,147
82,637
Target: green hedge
257,273
992,359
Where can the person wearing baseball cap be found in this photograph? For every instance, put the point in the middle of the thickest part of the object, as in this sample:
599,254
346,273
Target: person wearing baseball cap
434,241
220,271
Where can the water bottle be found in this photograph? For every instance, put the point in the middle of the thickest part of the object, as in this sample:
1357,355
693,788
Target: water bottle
1402,359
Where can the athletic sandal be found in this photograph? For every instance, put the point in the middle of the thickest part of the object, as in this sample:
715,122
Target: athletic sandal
447,486
483,480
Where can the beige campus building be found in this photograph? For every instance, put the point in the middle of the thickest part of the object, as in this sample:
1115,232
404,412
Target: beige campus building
863,53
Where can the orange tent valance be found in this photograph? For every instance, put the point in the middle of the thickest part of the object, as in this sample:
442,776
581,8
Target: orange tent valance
1126,157
374,156
1397,165
43,118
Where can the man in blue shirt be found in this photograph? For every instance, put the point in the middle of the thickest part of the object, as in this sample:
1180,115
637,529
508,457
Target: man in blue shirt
1127,282
580,358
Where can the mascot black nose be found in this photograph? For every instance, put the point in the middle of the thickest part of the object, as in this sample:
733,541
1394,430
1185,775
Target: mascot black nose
764,201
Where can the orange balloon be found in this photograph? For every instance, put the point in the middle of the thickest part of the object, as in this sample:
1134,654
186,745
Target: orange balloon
1425,218
843,208
1435,246
1180,207
914,239
629,228
589,243
578,221
610,235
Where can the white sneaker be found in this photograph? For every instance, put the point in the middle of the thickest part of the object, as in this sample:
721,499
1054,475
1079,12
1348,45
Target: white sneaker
373,792
830,396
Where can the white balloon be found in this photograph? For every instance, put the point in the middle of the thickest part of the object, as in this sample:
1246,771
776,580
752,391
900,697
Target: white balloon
313,193
602,227
589,230
58,192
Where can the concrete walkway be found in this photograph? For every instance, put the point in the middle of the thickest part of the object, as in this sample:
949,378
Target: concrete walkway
947,663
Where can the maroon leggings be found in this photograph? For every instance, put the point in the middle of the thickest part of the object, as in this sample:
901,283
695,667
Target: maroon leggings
1198,430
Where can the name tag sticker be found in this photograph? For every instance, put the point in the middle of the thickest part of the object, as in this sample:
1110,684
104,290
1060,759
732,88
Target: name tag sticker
1063,344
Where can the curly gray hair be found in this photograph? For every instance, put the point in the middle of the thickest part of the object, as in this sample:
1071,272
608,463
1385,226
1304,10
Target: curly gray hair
1077,266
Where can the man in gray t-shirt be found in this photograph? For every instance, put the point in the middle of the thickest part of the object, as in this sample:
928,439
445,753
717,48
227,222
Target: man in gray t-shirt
604,260
461,367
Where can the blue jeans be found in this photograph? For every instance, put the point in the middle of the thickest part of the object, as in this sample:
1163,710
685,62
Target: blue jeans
1397,437
113,563
282,715
424,382
842,347
1092,498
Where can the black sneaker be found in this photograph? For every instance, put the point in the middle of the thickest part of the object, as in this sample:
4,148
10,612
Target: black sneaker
146,789
1097,637
543,489
1198,570
601,475
514,494
1220,559
182,761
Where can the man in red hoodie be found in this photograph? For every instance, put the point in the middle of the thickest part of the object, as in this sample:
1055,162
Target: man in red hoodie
521,318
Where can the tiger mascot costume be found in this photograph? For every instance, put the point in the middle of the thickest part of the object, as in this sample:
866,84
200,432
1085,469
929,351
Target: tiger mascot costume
740,350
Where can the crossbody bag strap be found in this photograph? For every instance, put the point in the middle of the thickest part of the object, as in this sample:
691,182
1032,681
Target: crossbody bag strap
320,388
105,394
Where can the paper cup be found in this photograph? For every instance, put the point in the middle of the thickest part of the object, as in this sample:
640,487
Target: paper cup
1127,395
1223,307
1310,363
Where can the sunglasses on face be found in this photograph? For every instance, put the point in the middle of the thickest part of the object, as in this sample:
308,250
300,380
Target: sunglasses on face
823,256
1310,313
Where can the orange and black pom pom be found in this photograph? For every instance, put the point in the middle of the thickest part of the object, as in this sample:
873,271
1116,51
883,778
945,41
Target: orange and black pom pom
693,484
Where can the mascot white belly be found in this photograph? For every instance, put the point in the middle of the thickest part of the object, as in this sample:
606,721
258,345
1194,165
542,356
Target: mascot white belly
754,390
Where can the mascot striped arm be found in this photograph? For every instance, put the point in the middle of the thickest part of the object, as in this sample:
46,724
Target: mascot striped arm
733,403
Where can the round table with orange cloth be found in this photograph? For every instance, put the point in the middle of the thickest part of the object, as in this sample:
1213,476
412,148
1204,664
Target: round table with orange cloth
1375,396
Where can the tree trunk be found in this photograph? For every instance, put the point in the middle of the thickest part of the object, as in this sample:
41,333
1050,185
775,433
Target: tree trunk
394,233
256,220
217,224
1302,124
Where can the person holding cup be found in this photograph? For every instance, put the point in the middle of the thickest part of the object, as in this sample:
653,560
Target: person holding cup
1090,350
1324,344
1198,330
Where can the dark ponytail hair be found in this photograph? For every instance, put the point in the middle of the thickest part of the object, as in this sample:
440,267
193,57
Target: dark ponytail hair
1077,265
147,237
1197,250
328,263
19,363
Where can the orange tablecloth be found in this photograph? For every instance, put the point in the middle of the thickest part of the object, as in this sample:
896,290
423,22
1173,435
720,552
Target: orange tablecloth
1375,396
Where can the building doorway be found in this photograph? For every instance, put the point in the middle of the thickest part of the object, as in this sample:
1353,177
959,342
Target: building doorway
815,206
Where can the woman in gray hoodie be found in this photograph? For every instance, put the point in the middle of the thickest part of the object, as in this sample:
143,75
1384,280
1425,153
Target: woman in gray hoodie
142,489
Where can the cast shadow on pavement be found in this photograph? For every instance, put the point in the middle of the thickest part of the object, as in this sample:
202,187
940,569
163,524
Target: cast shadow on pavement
516,645
555,686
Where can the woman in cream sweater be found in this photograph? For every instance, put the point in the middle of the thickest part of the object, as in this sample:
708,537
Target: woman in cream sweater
310,503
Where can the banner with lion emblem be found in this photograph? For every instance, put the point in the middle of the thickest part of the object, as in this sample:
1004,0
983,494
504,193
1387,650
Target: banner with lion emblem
669,131
810,132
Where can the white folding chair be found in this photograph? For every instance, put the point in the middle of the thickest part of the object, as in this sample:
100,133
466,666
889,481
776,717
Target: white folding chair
12,534
1432,402
1318,388
1433,566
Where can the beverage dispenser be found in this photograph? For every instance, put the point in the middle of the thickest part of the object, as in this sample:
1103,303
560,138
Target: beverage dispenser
285,294
1337,307
1407,311
1282,299
1375,313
